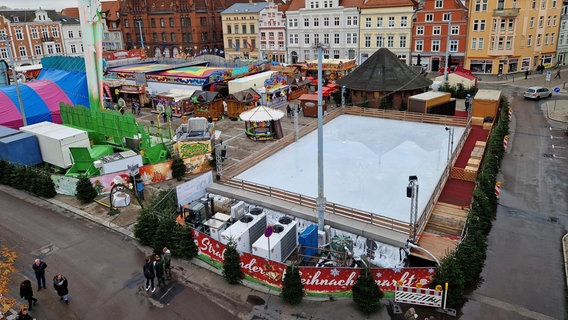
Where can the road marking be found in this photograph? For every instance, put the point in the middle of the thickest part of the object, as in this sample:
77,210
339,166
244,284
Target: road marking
558,147
559,157
510,307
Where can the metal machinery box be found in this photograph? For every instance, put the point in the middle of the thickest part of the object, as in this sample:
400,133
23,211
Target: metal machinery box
55,140
19,147
215,228
423,101
280,245
118,162
309,242
245,231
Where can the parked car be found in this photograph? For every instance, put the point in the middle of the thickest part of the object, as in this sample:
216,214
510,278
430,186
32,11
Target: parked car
537,93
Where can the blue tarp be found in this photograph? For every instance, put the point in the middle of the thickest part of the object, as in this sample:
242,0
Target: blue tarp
73,83
34,106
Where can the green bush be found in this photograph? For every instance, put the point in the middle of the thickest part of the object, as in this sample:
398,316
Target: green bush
85,191
366,293
178,168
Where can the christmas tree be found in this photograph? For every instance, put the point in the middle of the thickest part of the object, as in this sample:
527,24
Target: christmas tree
232,264
85,190
366,293
183,244
292,288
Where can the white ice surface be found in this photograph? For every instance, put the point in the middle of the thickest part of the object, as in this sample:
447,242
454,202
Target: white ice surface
367,162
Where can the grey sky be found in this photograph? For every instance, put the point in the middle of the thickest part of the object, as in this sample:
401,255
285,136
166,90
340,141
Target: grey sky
44,4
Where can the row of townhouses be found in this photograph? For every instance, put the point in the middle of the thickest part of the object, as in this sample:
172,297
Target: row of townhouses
486,36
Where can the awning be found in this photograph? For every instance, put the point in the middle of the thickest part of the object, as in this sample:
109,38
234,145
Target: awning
261,113
332,85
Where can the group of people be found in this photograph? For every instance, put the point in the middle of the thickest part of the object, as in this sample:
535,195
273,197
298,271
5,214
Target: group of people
155,267
290,111
26,291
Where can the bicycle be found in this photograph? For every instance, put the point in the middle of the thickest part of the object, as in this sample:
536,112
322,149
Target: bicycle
501,76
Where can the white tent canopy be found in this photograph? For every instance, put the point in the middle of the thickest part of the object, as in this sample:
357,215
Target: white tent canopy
261,113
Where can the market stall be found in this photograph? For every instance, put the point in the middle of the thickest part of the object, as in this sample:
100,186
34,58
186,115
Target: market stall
239,102
207,104
333,69
309,103
133,94
275,90
263,123
298,87
178,100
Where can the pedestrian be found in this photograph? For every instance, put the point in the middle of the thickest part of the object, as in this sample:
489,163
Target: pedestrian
27,292
557,74
133,108
39,269
23,314
526,73
167,262
164,117
140,187
149,274
159,268
289,111
60,285
467,102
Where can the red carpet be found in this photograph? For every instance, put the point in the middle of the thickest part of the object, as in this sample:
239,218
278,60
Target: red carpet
476,134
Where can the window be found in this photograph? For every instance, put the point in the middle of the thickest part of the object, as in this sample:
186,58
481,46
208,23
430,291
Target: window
379,42
336,21
70,34
511,24
126,23
419,31
38,52
326,38
533,6
336,38
251,29
229,29
439,4
23,52
306,39
419,45
552,37
542,4
202,21
367,43
540,22
480,5
548,21
455,30
473,43
429,17
172,24
402,42
316,22
478,25
316,38
538,39
390,41
436,30
349,21
306,22
153,22
379,22
351,38
326,22
162,22
435,45
58,48
529,41
531,23
368,22
480,44
19,34
173,37
554,20
3,53
561,39
553,3
404,22
35,34
391,22
44,33
155,37
454,45
164,37
447,17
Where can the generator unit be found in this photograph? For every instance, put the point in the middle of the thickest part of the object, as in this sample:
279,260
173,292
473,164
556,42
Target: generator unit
246,230
196,213
283,241
215,228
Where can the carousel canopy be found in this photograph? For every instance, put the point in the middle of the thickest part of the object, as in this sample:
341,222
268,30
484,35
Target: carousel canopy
261,113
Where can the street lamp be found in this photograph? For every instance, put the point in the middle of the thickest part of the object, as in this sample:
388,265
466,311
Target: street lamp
320,200
412,193
139,23
15,78
450,141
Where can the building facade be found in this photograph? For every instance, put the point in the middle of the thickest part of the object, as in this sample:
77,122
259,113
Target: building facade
386,25
32,35
440,29
562,44
329,23
240,24
507,36
112,35
72,38
272,29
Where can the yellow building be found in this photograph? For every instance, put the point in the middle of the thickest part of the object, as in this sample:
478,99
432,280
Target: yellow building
508,36
240,30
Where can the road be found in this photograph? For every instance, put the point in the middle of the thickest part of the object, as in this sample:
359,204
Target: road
104,269
523,276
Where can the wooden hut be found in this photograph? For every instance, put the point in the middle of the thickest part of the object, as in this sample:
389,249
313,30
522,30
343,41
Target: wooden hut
239,102
309,103
298,87
207,104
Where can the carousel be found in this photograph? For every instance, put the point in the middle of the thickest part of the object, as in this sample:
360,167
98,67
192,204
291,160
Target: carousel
263,123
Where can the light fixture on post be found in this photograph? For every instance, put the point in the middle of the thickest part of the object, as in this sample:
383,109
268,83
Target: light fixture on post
412,193
6,38
320,200
450,141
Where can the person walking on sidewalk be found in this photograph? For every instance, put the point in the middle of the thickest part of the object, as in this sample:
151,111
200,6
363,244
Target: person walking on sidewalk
557,74
23,314
27,292
60,285
149,274
159,268
39,269
167,262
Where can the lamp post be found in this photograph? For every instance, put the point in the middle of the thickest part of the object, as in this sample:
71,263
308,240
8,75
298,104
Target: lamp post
15,78
320,201
447,48
450,141
412,193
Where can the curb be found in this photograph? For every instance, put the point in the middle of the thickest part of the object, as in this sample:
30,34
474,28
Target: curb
564,248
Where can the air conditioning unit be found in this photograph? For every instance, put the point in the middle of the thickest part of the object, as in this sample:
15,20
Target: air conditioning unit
283,241
245,231
215,228
237,210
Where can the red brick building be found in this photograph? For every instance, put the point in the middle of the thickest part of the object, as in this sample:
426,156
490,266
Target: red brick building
436,22
173,28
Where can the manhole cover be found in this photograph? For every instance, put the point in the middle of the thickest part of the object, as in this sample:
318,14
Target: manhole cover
548,155
255,300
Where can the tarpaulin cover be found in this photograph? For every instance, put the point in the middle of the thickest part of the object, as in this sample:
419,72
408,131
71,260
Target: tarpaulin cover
73,83
40,99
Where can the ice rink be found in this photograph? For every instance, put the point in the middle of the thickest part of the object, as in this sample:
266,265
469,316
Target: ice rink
367,162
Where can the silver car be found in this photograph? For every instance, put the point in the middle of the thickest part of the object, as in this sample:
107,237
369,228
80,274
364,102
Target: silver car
537,93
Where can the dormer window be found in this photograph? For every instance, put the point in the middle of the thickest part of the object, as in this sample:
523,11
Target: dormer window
16,19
